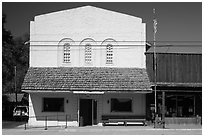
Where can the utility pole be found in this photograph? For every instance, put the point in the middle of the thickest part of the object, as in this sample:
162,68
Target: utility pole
155,77
155,66
15,85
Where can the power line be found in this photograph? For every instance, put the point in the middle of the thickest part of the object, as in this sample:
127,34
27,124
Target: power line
115,41
119,45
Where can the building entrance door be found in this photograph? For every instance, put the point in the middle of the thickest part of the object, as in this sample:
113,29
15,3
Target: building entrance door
87,112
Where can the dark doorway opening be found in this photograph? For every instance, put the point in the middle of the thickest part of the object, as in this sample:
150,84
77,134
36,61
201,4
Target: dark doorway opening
85,112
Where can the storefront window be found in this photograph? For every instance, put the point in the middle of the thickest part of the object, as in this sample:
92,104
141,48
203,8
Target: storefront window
53,104
121,105
178,105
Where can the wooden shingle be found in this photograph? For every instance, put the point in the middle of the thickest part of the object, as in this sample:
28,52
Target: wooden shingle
86,78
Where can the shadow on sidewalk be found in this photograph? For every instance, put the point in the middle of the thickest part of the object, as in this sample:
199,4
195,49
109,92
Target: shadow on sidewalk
12,124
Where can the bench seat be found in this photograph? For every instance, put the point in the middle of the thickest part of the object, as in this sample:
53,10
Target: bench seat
123,118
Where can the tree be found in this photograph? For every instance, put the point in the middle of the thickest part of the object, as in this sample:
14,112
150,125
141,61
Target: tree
7,58
21,56
14,53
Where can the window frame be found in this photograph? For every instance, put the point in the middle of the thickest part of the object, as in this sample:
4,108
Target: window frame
88,53
109,54
43,104
131,107
67,51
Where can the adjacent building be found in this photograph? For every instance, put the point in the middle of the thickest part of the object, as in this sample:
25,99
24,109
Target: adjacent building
179,76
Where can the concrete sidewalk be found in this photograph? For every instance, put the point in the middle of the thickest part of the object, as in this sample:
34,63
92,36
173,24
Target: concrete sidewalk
107,130
183,126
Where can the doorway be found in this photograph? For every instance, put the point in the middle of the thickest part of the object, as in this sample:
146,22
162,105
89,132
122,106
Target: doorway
87,112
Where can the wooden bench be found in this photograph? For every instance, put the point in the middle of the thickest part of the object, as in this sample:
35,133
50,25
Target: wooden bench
123,118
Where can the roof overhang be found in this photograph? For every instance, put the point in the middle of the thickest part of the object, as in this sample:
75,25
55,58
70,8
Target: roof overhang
46,91
91,92
88,80
178,87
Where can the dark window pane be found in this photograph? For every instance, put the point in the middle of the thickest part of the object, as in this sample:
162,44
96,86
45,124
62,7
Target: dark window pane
66,52
121,105
88,53
53,104
109,54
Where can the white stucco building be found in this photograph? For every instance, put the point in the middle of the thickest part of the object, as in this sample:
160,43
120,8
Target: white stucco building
90,58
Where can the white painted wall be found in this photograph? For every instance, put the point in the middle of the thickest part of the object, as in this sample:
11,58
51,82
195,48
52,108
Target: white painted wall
71,108
46,31
37,116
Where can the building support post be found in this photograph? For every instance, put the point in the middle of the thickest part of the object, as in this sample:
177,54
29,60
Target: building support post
176,105
194,103
163,109
92,102
45,122
66,121
25,125
78,112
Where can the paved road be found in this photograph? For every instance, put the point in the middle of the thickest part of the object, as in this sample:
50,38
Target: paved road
109,130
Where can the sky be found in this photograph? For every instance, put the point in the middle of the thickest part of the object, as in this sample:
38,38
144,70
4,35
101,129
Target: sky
178,22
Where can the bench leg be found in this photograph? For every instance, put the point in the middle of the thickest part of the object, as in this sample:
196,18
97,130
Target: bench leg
145,123
125,123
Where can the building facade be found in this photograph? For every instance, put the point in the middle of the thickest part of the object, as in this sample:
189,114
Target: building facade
85,63
179,76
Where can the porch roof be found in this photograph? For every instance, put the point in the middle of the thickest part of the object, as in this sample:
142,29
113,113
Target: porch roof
176,49
87,79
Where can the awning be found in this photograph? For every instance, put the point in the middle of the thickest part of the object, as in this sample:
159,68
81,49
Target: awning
98,79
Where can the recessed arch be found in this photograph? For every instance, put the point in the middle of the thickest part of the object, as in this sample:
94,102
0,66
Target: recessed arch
64,48
109,41
88,40
66,40
109,44
88,44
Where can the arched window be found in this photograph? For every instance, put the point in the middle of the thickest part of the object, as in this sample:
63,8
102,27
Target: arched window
67,55
88,53
109,54
87,45
109,45
64,51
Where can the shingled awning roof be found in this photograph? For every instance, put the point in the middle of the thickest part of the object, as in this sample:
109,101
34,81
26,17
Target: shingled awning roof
176,49
87,79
